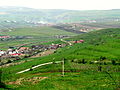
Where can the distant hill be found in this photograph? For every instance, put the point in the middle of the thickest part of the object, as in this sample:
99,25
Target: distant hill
22,16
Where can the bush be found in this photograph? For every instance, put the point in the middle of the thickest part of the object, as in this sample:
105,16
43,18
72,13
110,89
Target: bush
9,61
91,62
72,60
83,61
99,68
113,62
102,58
105,63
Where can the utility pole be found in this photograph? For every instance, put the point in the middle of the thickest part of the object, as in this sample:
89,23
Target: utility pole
63,67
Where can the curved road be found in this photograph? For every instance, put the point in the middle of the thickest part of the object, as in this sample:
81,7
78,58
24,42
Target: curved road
37,66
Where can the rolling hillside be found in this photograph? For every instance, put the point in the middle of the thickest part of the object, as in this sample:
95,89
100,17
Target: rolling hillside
92,65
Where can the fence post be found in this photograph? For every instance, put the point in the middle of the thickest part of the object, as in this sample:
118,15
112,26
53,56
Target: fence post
63,67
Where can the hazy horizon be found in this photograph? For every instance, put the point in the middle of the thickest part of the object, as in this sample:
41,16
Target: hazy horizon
64,4
57,9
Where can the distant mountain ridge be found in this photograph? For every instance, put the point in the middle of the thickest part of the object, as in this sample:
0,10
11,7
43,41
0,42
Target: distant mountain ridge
28,16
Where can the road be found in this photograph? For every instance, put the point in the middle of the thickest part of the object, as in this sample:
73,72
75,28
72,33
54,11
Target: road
66,42
37,66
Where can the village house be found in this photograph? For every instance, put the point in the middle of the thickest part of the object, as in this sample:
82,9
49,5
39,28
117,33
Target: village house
2,52
84,30
13,52
3,37
54,46
62,45
23,50
16,54
78,41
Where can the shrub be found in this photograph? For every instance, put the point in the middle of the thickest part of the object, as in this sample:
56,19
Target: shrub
99,68
113,62
91,62
9,61
105,63
72,60
102,58
83,61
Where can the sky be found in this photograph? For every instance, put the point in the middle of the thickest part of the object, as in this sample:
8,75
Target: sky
65,4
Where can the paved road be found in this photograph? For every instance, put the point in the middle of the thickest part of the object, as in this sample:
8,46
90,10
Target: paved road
37,66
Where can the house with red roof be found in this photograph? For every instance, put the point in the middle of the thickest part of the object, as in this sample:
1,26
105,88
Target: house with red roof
3,37
79,41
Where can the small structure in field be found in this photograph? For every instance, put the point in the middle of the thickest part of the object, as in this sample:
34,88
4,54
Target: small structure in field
55,46
79,41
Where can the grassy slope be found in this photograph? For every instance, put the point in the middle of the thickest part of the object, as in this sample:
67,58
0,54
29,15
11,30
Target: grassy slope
101,43
110,24
104,43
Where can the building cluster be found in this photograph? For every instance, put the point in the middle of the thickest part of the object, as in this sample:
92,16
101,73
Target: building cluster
22,51
18,51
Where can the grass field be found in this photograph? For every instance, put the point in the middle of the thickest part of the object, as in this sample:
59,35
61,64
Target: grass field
110,24
38,34
81,73
37,31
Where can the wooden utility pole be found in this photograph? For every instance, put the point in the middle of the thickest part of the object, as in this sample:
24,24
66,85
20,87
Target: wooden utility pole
63,67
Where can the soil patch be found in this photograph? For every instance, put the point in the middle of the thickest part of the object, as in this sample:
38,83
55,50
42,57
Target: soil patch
32,80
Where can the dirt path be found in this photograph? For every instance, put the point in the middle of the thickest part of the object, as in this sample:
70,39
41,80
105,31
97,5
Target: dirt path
32,80
37,66
66,42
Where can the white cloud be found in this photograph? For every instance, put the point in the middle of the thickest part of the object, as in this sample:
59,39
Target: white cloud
64,4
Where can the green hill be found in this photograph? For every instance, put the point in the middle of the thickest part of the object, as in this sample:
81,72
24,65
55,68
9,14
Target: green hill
92,65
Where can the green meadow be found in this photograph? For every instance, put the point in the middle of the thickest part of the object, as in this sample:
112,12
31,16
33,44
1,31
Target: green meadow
92,65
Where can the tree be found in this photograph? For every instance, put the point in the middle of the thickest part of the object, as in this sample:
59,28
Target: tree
102,58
